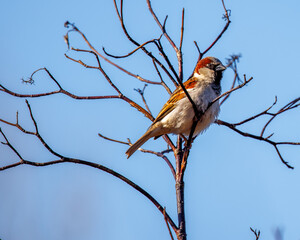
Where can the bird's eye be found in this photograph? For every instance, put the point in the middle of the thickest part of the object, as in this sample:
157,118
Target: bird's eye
211,66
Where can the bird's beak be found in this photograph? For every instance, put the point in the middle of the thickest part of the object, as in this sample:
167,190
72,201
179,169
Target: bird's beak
220,67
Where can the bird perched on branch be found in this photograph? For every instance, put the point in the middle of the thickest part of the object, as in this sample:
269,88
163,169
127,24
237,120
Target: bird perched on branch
177,115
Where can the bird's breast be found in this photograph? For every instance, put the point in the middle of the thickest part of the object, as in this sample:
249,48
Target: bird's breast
180,120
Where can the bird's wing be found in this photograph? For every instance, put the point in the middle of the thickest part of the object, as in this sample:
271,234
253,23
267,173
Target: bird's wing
177,95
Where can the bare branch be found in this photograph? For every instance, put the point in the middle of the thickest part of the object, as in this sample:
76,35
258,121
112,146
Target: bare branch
169,142
226,16
179,53
159,154
246,81
132,52
120,15
166,58
17,125
162,27
11,146
62,91
63,159
285,143
198,49
267,140
37,134
141,92
80,62
182,30
232,86
256,233
100,69
291,105
265,112
232,64
166,220
161,79
106,59
55,92
112,140
103,168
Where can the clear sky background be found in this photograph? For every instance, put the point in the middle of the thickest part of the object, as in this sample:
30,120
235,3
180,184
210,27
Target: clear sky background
232,183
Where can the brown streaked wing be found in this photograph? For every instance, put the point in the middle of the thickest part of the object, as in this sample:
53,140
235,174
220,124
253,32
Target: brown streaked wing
175,97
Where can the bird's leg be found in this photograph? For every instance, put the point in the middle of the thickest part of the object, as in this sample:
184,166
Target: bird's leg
184,138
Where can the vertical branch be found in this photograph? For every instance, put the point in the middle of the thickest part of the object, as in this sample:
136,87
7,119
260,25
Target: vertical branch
179,187
179,53
182,29
181,232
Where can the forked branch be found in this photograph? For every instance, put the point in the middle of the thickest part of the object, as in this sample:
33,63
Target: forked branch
74,28
148,53
256,233
226,16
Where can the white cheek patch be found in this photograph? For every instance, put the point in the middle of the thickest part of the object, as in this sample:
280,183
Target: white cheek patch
197,75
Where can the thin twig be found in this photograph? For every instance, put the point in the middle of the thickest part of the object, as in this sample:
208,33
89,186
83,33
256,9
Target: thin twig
106,59
159,154
166,58
166,220
63,91
161,26
177,50
169,142
232,86
179,53
267,140
227,15
291,105
102,168
141,92
256,233
182,30
11,146
56,92
246,81
132,52
80,62
198,49
161,79
231,63
120,15
265,112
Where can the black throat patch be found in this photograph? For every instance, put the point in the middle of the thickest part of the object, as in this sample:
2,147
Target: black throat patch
217,84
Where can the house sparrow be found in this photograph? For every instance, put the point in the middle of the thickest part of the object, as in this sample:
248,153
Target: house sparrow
177,114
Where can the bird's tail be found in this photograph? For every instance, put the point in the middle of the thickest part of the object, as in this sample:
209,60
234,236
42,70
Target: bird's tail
139,143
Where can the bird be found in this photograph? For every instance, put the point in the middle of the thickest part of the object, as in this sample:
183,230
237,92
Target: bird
177,114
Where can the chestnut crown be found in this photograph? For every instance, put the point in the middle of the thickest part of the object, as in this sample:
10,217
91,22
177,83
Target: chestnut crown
211,63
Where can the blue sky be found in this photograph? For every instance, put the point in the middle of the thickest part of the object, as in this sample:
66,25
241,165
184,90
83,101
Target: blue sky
232,183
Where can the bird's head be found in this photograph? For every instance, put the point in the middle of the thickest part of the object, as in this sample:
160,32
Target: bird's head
209,68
